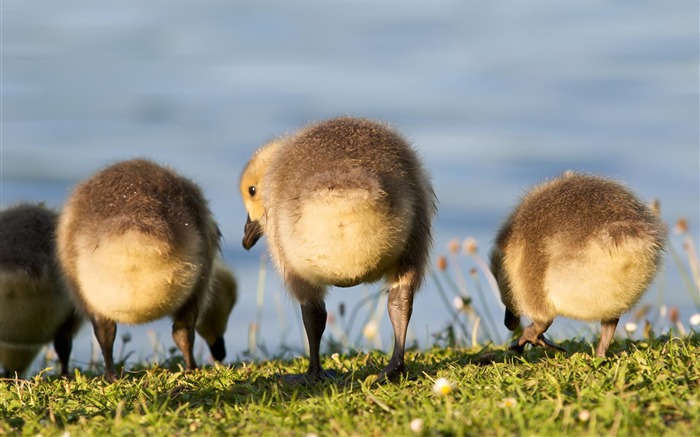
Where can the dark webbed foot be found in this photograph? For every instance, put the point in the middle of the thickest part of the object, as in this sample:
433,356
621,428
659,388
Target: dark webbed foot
519,344
534,334
391,371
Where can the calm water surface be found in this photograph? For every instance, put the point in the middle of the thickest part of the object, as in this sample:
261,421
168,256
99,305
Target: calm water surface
497,96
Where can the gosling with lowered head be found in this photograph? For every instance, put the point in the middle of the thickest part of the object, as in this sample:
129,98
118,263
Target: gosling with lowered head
138,242
577,246
35,307
342,202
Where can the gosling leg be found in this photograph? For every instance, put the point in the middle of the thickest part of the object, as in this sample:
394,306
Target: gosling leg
314,317
105,331
606,334
400,307
534,334
184,324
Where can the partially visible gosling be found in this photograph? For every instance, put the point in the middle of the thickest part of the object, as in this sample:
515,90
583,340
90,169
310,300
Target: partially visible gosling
35,307
343,202
137,243
213,320
577,246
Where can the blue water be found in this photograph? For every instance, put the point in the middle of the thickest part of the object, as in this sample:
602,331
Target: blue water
496,96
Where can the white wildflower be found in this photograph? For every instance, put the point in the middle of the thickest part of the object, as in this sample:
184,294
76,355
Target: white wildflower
417,425
695,319
508,403
442,387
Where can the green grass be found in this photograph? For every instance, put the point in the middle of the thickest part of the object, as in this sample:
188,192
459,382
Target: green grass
647,387
644,387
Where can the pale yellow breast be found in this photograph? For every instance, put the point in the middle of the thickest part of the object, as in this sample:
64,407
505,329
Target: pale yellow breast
31,308
600,281
342,237
135,278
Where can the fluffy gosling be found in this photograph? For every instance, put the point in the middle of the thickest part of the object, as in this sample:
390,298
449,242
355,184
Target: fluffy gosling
138,242
35,307
577,246
342,202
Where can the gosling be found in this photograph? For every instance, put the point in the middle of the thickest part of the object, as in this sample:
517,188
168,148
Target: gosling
35,307
343,202
577,246
137,242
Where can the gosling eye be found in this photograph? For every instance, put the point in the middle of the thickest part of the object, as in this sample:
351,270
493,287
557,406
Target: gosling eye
252,190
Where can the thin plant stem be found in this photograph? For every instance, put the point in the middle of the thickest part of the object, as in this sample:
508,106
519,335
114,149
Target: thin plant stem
684,274
94,353
475,330
375,298
661,294
281,318
376,317
302,330
338,332
489,324
447,303
259,305
461,283
252,341
456,318
353,313
489,277
455,288
692,259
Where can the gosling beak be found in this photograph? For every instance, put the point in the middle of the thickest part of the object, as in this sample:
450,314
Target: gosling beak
512,321
251,233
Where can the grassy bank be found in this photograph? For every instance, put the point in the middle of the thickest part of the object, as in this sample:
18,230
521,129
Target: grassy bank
644,388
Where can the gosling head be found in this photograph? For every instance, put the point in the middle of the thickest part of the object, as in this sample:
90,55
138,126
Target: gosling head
214,319
252,192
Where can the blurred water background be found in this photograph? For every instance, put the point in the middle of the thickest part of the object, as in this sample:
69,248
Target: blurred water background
497,96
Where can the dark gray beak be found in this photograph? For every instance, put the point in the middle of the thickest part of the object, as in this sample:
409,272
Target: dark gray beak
251,233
